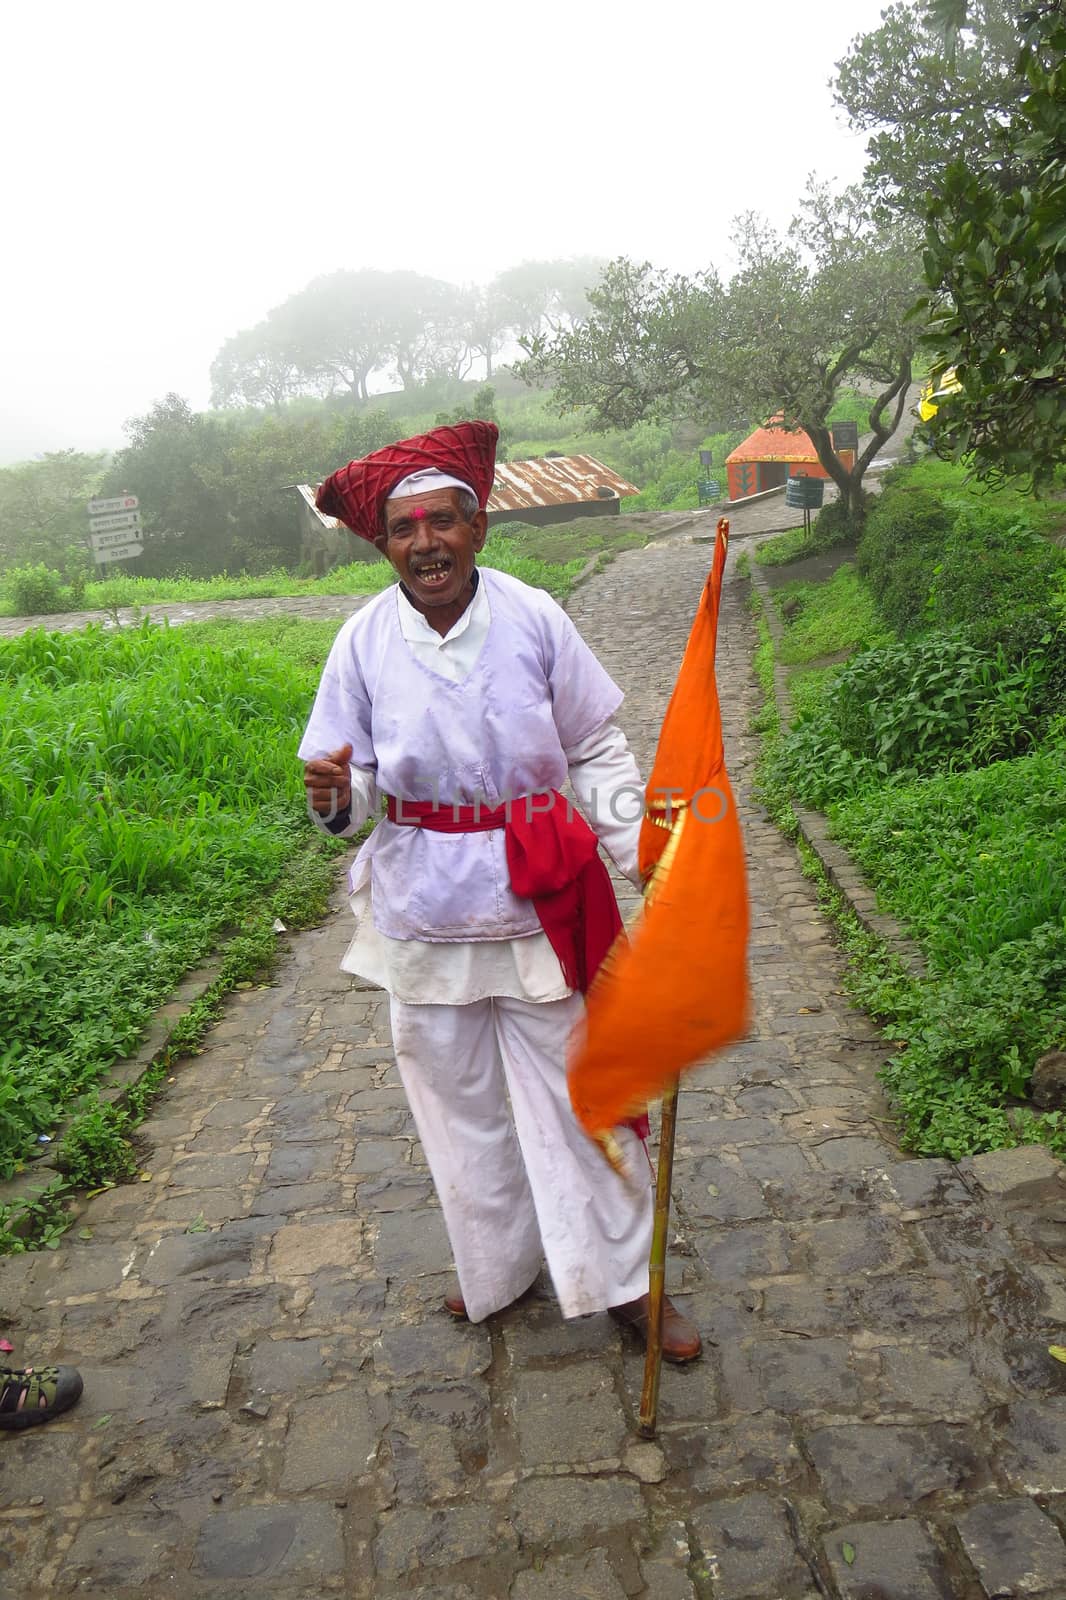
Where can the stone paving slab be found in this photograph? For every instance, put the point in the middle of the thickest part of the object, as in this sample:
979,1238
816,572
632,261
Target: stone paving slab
276,1404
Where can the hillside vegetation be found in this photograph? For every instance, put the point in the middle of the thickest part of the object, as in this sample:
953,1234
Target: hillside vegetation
217,507
937,749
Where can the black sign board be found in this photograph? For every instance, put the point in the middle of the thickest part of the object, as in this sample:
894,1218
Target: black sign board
705,458
845,435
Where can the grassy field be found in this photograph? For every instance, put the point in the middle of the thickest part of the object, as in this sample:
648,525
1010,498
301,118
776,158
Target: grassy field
828,618
152,802
940,761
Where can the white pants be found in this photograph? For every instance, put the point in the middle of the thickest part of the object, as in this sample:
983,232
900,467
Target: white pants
510,1191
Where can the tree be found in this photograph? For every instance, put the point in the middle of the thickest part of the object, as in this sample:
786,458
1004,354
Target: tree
543,296
642,352
256,368
801,318
337,329
44,509
217,493
996,264
254,480
340,330
925,108
175,463
568,303
425,329
487,322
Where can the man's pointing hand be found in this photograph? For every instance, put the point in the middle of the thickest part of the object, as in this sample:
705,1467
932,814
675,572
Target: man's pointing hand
328,781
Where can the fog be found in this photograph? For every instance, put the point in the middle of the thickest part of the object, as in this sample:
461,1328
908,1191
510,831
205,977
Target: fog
174,172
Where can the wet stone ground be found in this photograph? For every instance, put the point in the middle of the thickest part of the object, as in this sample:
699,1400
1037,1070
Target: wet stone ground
276,1404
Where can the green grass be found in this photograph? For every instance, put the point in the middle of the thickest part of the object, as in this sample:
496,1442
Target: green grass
807,687
951,479
359,577
828,617
152,799
97,1148
521,557
302,642
783,548
549,558
969,860
563,542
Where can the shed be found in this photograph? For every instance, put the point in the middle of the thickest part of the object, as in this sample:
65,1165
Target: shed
324,541
552,488
770,456
555,488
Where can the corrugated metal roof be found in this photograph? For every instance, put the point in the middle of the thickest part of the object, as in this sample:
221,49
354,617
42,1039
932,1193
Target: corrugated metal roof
544,481
308,494
554,481
774,444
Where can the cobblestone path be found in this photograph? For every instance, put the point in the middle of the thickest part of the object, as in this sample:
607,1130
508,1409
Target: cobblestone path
316,606
276,1405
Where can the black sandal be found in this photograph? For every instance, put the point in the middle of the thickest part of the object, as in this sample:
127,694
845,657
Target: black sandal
29,1395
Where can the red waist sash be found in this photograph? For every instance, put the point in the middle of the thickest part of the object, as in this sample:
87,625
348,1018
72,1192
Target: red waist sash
552,859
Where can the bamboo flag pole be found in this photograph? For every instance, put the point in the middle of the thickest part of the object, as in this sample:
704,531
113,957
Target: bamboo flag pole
693,934
653,1360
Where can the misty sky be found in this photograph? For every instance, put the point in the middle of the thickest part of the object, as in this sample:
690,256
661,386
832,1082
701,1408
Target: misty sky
173,172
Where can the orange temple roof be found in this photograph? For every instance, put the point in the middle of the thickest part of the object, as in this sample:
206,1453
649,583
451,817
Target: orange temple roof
774,444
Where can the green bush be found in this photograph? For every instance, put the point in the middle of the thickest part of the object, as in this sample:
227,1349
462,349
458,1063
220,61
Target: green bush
912,709
994,567
973,1042
937,560
36,591
1034,640
812,766
95,1148
835,524
903,539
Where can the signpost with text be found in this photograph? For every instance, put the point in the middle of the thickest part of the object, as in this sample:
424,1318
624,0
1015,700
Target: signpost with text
115,529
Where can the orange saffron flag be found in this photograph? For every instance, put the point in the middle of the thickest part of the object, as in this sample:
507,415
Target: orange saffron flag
678,989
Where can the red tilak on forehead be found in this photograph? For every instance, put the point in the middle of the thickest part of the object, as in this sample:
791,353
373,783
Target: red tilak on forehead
419,513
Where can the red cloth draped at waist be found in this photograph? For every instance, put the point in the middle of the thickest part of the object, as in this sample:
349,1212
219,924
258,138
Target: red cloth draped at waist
553,860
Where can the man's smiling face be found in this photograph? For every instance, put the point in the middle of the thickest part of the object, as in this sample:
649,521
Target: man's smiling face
432,546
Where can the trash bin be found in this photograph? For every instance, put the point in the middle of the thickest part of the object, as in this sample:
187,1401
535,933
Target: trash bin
805,493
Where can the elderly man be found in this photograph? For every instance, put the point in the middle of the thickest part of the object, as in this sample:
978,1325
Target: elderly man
467,699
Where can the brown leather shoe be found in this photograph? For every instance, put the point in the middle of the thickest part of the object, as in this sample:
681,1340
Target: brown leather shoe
681,1338
454,1302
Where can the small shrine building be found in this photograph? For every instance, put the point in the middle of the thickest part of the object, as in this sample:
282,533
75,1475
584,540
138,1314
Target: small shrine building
770,456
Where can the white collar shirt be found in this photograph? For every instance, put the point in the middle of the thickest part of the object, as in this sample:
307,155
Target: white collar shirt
454,654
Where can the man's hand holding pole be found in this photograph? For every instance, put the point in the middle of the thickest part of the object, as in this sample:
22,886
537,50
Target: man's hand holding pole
328,781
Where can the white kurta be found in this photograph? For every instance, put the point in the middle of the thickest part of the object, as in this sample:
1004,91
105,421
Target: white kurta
479,1022
422,972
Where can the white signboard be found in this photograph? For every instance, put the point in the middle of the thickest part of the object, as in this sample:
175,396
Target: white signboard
119,519
122,552
121,502
108,541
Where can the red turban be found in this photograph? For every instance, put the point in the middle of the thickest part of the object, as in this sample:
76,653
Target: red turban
356,493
